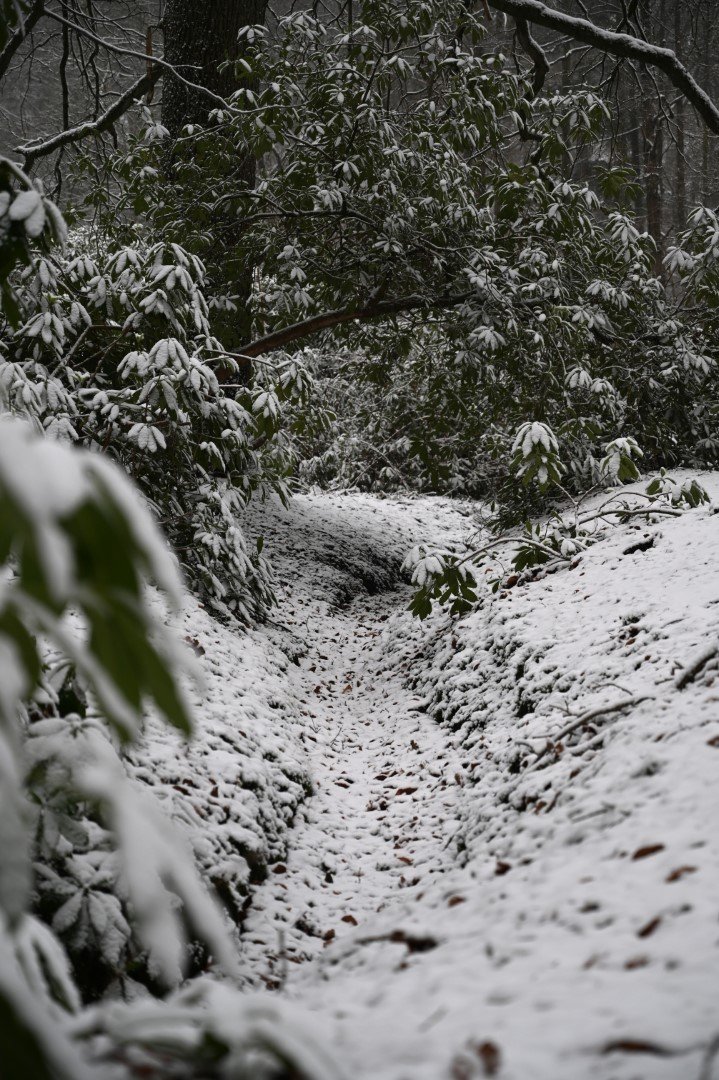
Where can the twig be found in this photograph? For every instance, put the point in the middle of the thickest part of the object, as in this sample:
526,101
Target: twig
708,1060
90,127
690,672
584,718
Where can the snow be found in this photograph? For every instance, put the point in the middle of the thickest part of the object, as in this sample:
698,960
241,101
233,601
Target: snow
456,897
466,847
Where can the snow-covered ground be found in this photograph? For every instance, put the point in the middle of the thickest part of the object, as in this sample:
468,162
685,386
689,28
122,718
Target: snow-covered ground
509,862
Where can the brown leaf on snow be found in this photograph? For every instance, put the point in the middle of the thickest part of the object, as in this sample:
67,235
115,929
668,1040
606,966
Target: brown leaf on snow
454,900
405,859
648,929
416,943
636,962
195,645
462,1068
405,791
490,1056
502,868
680,872
349,919
649,849
636,1046
279,869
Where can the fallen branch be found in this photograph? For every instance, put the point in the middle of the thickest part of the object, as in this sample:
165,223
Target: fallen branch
329,319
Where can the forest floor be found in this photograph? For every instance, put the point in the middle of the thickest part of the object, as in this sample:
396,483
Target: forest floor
472,890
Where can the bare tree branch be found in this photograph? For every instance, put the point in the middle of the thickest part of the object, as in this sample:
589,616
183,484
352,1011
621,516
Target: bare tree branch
329,319
622,45
536,54
20,34
122,51
91,127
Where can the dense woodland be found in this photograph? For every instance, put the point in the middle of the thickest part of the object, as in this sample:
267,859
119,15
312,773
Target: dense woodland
247,249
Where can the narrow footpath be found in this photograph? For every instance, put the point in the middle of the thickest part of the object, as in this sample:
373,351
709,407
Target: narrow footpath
380,823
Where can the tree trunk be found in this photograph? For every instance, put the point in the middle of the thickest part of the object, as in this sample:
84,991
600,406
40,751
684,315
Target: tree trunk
680,180
635,156
653,138
199,36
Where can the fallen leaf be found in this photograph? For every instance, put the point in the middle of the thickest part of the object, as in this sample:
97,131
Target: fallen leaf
454,900
636,962
349,919
650,849
490,1056
680,872
414,942
635,1046
649,927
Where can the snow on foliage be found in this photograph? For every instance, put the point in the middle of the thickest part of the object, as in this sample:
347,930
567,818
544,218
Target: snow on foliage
234,789
116,352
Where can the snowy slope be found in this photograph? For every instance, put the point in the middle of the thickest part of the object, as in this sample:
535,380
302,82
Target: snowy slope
475,847
471,892
234,788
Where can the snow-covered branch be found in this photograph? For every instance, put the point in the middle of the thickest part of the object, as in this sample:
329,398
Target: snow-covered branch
623,45
34,151
122,51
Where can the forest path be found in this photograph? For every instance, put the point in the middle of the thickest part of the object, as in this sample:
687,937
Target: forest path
448,911
387,788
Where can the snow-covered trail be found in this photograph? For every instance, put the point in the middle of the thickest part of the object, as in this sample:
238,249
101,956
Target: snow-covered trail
387,786
475,888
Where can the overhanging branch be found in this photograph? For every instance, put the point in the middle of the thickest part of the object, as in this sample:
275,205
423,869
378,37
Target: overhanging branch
329,319
536,54
91,127
622,45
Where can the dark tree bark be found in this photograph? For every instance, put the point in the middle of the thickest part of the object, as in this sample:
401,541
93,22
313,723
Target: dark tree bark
199,36
653,139
680,179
